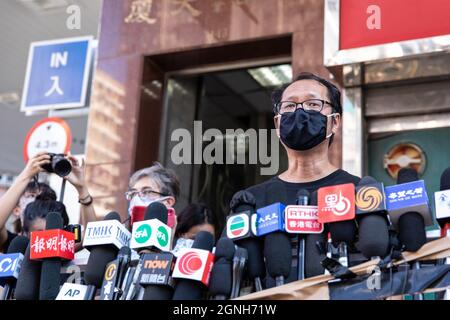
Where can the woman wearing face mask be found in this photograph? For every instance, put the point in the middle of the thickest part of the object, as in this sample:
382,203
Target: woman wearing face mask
153,184
193,219
307,116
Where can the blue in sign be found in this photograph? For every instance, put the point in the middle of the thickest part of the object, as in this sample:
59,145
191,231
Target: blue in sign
57,74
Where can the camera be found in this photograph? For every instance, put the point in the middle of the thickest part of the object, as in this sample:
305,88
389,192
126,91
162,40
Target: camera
59,164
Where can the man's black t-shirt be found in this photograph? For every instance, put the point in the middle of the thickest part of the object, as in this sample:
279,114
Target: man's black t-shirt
276,190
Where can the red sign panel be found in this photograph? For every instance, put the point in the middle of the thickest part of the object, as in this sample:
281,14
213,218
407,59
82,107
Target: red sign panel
399,20
336,203
52,244
302,219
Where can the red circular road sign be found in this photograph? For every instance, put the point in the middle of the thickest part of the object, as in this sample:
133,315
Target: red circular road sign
49,135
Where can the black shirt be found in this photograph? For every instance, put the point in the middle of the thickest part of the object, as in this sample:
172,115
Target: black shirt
276,190
10,238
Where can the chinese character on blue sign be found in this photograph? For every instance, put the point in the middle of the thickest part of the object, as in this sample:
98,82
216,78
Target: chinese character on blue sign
57,74
270,219
406,195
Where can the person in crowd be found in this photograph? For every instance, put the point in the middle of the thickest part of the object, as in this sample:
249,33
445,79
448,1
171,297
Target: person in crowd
25,189
153,184
194,218
36,212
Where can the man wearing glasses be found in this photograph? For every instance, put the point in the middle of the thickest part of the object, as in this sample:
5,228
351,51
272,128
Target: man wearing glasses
307,116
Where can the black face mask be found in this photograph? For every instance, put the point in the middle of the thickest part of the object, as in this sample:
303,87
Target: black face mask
301,131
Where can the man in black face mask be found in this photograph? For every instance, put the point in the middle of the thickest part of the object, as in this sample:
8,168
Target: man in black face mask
307,115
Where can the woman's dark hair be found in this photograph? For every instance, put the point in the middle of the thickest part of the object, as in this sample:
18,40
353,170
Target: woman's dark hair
193,215
45,202
38,188
333,92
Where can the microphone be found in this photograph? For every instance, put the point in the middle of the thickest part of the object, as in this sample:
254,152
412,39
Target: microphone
103,239
336,205
152,234
27,286
155,275
74,291
442,202
372,218
221,281
278,254
193,268
114,273
10,265
302,219
243,202
239,260
51,266
315,246
408,208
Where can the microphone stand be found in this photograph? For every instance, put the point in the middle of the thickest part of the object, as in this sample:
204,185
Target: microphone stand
301,258
279,281
258,284
63,189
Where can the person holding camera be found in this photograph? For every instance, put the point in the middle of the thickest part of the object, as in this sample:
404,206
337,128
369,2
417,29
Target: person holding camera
24,191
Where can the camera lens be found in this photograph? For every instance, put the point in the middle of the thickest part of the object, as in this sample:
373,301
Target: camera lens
61,166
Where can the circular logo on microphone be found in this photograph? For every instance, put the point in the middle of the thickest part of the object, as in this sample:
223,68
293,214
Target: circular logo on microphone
190,263
163,236
237,226
368,198
143,233
342,206
110,271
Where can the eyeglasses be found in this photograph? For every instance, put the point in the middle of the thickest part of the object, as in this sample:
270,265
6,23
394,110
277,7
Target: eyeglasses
144,193
309,106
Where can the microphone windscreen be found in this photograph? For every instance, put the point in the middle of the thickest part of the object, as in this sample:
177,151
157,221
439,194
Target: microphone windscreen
53,221
313,198
367,180
411,232
373,236
124,252
112,216
203,240
27,286
18,245
255,264
343,231
99,257
224,249
278,254
154,292
242,201
221,282
221,278
405,175
445,179
188,290
156,210
51,268
313,256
